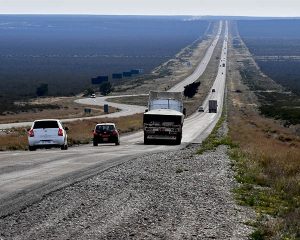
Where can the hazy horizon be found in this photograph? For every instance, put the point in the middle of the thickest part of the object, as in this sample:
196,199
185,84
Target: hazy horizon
235,8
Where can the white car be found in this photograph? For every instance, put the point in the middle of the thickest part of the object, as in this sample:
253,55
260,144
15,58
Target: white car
201,109
93,95
47,133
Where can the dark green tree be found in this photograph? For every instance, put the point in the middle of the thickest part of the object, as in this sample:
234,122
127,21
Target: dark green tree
191,89
105,88
88,91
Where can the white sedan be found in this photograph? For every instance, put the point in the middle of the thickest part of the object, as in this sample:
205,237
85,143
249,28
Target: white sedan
47,133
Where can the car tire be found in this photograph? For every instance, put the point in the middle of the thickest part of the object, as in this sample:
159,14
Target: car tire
95,144
31,148
64,147
117,143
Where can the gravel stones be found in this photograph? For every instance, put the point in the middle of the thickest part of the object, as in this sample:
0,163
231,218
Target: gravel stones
170,195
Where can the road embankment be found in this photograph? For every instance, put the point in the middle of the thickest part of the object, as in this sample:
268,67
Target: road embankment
172,195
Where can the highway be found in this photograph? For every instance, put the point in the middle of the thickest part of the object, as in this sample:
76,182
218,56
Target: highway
129,109
26,176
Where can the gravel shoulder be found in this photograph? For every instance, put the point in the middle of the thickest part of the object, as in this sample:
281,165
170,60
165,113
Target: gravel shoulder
171,195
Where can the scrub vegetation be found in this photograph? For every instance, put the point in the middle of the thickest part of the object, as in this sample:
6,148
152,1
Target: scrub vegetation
80,132
266,160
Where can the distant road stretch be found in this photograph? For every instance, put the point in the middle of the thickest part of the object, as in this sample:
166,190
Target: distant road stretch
126,110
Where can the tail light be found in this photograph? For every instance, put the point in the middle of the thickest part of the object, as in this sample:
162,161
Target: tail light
114,133
31,133
60,132
95,133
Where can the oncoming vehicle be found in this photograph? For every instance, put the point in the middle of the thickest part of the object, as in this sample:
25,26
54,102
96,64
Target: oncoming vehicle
47,133
93,95
213,90
106,133
201,109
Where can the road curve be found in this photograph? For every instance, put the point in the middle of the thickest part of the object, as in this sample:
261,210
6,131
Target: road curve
126,110
25,177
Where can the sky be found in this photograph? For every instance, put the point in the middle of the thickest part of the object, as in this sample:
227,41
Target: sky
273,8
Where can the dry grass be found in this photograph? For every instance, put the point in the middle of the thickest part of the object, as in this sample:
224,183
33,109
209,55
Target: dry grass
80,131
13,139
132,100
66,108
267,162
268,166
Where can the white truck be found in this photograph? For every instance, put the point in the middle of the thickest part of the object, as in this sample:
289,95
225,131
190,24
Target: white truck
163,120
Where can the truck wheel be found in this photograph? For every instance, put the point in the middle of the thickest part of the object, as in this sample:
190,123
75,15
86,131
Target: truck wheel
146,141
178,139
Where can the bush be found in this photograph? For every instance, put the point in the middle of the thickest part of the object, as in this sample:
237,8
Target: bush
105,88
191,89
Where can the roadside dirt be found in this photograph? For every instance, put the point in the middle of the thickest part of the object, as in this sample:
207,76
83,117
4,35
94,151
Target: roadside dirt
65,107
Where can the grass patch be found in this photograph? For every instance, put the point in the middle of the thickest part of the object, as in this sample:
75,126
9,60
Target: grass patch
275,103
132,100
267,167
266,161
214,139
80,132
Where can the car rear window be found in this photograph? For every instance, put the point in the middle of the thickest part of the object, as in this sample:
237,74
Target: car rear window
45,124
105,128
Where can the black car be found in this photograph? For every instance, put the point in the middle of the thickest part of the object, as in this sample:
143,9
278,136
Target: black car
106,133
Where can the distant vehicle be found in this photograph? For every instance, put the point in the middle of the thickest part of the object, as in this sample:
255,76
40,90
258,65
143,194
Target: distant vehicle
164,118
93,95
212,106
213,90
47,133
201,109
106,133
223,64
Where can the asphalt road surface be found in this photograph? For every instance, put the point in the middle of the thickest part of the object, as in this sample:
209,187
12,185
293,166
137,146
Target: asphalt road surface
26,177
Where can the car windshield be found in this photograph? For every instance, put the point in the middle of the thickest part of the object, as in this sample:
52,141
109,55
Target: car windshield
45,124
105,128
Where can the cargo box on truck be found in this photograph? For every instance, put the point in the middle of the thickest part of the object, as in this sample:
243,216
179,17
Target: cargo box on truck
212,106
164,118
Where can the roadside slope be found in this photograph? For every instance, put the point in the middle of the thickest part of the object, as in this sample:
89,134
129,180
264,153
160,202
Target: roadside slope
173,195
